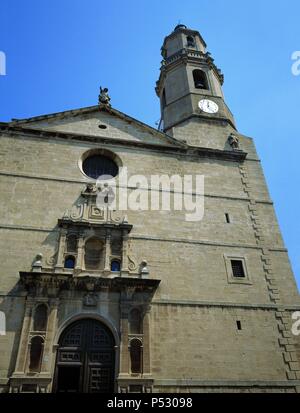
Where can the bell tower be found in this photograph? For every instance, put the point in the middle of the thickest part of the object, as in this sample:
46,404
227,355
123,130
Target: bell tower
190,86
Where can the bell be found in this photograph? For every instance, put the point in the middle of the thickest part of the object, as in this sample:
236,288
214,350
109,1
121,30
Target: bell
199,85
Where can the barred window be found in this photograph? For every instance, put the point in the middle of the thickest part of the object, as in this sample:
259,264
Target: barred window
99,167
237,268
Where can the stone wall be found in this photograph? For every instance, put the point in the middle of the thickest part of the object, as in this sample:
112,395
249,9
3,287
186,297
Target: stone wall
193,329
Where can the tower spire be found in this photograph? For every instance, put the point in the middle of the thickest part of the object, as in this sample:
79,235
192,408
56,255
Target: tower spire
190,84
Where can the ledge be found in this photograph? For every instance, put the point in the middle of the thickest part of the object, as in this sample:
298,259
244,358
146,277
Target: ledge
80,223
176,147
225,383
65,281
247,306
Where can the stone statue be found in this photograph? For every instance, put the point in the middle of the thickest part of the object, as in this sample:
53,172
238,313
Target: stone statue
233,141
144,268
37,263
91,188
106,195
104,99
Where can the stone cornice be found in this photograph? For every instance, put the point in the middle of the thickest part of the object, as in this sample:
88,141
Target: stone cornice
234,384
106,225
244,306
66,281
44,133
232,155
207,118
91,109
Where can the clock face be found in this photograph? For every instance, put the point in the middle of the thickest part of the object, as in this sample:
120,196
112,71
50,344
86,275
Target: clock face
208,106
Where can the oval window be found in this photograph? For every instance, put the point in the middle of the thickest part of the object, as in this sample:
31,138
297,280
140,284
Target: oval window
99,167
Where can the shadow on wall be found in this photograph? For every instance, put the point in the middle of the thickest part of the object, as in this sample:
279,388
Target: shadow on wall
12,304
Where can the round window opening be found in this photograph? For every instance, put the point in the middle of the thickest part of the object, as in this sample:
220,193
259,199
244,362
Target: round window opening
100,167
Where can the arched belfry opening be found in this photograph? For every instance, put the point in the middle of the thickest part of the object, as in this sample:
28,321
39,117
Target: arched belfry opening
200,79
85,361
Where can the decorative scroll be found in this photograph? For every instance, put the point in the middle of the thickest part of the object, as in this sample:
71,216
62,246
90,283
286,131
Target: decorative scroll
132,263
75,214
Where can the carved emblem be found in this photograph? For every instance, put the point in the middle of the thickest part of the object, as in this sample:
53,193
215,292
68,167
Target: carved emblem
97,212
90,300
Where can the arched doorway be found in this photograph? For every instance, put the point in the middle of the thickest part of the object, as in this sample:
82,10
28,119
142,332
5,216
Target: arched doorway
85,358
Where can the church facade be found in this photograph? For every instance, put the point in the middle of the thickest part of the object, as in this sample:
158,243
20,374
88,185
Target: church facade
99,298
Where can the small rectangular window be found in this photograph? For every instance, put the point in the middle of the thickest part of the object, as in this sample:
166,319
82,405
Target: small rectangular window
227,218
239,325
237,268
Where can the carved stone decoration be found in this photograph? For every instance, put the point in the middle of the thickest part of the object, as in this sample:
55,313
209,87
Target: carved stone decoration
53,259
66,214
132,263
104,98
144,268
37,263
233,141
128,292
106,195
90,300
113,217
97,213
90,189
77,211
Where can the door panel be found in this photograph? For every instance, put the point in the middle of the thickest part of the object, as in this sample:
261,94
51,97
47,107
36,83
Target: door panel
86,348
68,379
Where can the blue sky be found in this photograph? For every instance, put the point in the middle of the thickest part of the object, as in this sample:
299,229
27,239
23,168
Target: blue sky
59,52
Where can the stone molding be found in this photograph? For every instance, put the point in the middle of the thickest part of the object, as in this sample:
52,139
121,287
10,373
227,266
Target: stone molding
286,342
193,303
177,147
